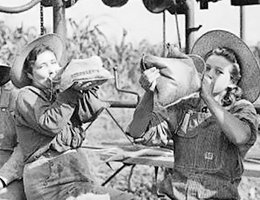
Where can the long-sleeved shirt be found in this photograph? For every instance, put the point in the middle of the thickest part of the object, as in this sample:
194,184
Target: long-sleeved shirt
40,119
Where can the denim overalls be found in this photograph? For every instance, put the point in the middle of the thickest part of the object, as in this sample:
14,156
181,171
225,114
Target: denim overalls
7,126
10,171
206,164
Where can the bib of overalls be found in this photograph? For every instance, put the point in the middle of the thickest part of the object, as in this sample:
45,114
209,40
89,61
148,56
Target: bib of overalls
7,124
205,149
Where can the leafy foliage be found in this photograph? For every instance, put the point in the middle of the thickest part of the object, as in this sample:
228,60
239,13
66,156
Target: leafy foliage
11,41
88,40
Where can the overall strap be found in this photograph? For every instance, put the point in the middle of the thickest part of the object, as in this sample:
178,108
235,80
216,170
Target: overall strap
4,97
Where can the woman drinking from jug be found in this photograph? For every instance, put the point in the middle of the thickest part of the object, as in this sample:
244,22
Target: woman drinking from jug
49,126
218,128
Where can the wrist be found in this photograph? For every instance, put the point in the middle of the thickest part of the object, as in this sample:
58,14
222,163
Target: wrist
206,97
70,96
208,100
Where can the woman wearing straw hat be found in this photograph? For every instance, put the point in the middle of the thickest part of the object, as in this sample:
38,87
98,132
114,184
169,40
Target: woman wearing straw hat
214,137
11,157
49,128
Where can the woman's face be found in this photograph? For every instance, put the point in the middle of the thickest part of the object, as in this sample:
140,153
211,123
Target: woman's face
218,70
45,68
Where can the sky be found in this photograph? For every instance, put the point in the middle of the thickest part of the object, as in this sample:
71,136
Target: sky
142,24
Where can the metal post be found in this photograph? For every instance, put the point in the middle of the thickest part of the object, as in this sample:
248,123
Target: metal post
189,24
164,34
59,25
59,20
242,22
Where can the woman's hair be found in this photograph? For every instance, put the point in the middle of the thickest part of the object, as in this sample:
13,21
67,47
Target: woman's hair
234,92
32,56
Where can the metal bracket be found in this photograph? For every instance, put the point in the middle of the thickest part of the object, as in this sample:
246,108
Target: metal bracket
189,30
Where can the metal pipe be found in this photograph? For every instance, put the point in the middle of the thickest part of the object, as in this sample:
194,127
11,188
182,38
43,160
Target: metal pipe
178,29
122,104
59,25
164,34
121,90
115,173
19,9
189,25
110,114
59,19
242,22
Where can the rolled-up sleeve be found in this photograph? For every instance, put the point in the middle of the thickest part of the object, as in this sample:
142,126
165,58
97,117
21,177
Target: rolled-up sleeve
245,111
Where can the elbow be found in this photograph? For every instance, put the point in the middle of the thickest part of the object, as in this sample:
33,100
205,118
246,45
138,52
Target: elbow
238,142
49,126
241,138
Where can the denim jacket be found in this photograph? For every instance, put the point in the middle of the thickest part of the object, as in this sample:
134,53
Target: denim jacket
206,163
42,119
39,118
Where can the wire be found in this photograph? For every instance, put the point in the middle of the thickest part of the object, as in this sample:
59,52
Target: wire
177,24
164,34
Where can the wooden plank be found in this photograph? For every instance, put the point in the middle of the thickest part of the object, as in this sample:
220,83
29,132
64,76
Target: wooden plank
251,169
163,158
151,161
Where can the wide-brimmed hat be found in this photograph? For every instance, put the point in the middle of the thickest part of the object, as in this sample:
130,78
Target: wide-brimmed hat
249,67
18,76
4,74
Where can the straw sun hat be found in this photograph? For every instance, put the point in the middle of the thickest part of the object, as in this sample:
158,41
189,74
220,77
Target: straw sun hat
54,41
250,71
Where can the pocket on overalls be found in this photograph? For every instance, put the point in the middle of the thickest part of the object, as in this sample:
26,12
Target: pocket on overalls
35,176
69,167
184,151
184,129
